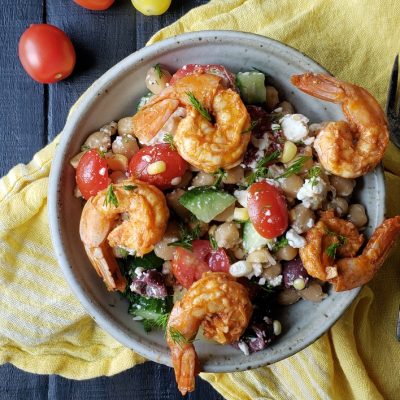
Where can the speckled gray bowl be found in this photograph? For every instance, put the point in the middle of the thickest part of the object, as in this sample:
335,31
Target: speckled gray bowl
114,96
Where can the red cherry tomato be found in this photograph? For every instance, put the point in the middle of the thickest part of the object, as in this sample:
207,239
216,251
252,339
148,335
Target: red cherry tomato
91,174
267,210
228,78
175,165
95,4
46,53
187,267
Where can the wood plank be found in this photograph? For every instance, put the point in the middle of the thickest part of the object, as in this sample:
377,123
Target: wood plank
21,98
101,39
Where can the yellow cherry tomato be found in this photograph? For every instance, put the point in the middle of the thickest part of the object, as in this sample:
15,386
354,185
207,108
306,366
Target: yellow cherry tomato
151,7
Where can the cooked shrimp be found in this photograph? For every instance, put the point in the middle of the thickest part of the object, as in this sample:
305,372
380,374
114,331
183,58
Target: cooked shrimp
144,213
153,116
348,272
207,146
324,234
216,300
353,148
357,271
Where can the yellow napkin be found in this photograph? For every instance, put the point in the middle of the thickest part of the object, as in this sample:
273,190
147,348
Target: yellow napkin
44,329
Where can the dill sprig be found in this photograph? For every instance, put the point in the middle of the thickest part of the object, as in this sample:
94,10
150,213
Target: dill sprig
178,337
253,124
219,175
213,242
199,107
111,198
158,70
280,243
295,167
261,167
168,138
187,237
160,322
332,248
130,187
313,174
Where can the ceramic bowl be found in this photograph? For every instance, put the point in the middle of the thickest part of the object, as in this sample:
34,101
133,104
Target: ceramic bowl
115,95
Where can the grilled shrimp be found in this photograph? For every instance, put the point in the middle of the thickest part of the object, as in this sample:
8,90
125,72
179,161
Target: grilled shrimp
144,213
222,305
206,145
348,271
347,148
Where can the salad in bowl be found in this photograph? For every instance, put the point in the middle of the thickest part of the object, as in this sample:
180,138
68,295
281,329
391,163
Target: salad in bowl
215,203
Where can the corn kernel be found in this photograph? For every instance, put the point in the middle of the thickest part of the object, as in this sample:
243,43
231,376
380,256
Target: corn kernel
289,152
157,167
277,327
299,284
240,214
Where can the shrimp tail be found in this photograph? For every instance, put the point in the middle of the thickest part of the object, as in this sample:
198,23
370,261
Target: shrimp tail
354,272
187,367
323,87
106,266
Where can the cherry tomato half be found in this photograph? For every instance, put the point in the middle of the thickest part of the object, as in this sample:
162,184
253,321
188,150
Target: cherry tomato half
188,266
91,174
46,53
95,4
172,165
267,210
228,79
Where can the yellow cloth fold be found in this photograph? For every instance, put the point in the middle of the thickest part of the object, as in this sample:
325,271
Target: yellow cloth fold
44,329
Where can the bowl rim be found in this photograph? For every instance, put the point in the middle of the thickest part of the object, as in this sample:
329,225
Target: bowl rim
85,101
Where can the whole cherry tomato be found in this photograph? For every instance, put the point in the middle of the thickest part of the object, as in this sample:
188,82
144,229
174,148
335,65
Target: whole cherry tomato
151,7
267,210
46,53
228,78
95,4
92,174
159,157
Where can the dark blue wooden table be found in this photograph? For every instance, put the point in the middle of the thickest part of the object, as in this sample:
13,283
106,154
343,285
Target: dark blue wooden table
31,115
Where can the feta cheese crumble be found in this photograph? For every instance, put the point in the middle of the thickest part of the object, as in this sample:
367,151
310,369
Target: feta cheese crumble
294,127
245,349
241,196
313,192
295,240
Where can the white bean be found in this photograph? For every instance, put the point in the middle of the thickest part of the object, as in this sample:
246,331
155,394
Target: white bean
98,140
291,185
344,187
125,145
357,215
203,179
339,205
125,126
227,235
286,253
234,175
301,218
157,79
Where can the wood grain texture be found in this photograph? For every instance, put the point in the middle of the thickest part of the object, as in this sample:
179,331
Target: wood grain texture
32,114
21,99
